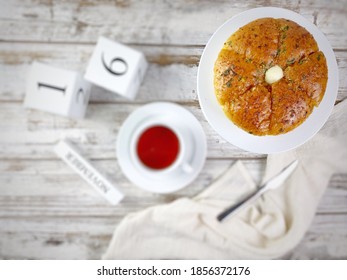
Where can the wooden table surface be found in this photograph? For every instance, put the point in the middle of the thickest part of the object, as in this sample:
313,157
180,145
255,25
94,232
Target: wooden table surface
49,212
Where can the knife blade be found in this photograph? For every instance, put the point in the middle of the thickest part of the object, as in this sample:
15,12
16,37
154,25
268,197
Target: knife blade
271,184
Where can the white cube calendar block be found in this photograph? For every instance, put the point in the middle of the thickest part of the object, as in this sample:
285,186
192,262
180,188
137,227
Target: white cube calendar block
57,91
116,67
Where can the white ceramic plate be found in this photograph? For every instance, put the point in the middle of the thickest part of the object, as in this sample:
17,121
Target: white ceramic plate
224,126
156,111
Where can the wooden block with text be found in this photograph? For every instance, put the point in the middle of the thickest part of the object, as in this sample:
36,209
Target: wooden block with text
56,91
117,68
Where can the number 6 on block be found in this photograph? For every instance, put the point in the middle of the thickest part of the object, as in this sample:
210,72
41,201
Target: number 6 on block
57,91
116,67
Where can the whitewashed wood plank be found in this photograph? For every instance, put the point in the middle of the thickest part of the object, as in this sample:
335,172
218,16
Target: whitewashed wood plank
58,216
54,190
326,239
335,198
171,75
55,237
32,134
88,238
48,212
150,22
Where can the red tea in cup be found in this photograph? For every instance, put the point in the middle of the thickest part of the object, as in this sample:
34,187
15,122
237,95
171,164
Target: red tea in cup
158,147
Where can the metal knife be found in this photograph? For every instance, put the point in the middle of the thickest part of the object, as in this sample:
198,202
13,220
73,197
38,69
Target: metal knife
273,183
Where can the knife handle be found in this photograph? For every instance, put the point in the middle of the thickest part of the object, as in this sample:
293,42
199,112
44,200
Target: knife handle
232,210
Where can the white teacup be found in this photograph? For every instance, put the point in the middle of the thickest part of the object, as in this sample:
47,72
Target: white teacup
182,161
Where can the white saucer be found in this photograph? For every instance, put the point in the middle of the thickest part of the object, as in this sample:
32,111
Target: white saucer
173,181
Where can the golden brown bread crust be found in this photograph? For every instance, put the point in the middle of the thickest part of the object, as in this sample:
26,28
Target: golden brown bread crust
256,42
295,43
251,109
290,107
251,103
310,74
232,75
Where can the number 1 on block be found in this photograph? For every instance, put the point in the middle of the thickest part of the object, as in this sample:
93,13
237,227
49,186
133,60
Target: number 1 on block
39,85
57,91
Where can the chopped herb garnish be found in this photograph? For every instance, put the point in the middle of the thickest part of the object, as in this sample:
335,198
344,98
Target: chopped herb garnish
259,72
248,60
278,52
302,61
229,43
226,72
283,36
228,84
290,61
318,57
284,28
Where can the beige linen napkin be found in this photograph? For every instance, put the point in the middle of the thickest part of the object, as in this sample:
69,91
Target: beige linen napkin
188,229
